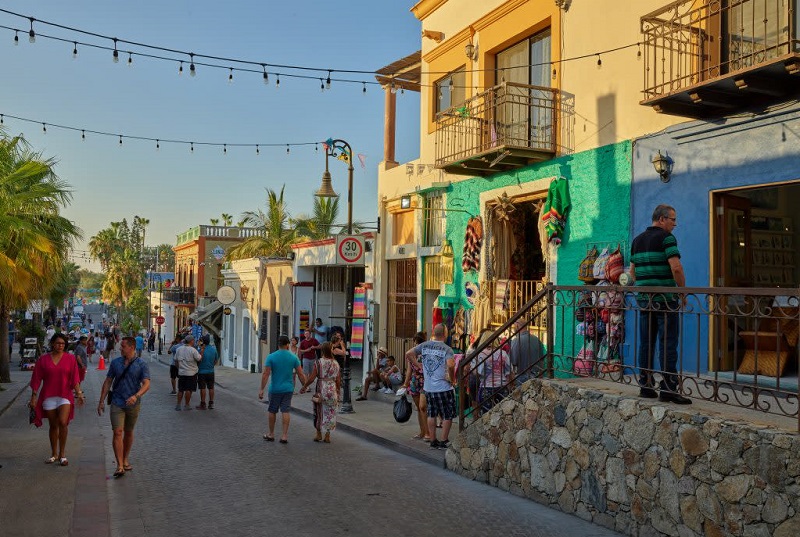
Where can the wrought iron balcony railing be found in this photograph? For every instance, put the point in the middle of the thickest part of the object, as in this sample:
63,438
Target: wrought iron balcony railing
505,127
179,295
702,57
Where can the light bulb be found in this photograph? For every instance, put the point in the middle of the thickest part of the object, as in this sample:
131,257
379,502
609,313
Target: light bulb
364,90
116,56
192,70
230,76
257,150
225,148
83,134
287,149
32,36
158,145
120,139
130,59
328,81
321,85
74,49
16,37
599,61
266,77
277,81
191,147
180,69
44,128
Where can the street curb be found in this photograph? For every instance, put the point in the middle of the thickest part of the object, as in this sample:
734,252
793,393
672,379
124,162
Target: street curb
375,439
13,399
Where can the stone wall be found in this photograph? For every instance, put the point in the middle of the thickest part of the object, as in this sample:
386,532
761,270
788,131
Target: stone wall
640,468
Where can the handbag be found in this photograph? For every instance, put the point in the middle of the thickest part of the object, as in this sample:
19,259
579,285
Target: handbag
122,376
615,266
599,268
586,269
402,410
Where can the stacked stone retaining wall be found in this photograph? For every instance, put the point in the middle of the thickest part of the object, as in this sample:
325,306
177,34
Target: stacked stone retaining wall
640,468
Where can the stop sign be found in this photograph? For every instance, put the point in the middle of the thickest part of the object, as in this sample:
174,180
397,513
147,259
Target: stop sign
160,320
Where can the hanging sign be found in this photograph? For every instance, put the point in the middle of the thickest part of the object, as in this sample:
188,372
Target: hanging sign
349,250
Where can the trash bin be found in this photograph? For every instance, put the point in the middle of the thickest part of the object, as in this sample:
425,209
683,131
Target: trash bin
252,368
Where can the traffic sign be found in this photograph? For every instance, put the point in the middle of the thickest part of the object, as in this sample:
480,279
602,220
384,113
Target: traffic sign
350,250
160,320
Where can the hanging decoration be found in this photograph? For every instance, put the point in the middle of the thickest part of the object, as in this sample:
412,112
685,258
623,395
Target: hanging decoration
556,209
473,240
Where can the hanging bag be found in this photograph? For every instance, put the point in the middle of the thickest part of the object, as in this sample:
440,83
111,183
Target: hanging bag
614,266
599,268
116,382
586,269
402,410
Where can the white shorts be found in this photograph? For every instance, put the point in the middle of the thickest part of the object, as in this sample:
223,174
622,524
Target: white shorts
52,403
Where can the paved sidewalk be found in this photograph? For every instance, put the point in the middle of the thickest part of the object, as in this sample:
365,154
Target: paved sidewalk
371,420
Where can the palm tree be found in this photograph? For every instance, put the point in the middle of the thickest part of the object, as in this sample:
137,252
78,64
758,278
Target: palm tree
34,237
214,221
277,234
227,219
320,224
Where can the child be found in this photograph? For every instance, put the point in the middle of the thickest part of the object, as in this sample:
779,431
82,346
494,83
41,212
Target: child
391,375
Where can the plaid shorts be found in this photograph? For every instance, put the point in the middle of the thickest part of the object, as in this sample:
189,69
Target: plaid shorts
441,404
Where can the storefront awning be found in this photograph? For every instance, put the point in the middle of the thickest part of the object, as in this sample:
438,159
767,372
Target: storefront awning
210,318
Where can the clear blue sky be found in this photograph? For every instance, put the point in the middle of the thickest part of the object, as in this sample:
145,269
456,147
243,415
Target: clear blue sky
172,187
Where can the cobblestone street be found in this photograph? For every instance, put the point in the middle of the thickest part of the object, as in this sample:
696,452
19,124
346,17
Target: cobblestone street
211,473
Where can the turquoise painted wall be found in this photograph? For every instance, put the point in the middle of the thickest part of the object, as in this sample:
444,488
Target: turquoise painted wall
600,186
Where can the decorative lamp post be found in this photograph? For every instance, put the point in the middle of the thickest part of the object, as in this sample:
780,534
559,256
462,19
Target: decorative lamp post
160,279
341,150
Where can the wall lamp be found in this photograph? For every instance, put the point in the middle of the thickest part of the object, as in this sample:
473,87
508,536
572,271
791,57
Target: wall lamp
470,49
405,202
663,166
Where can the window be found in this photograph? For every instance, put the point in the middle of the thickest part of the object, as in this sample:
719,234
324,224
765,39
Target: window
402,297
434,221
403,228
451,90
284,329
527,62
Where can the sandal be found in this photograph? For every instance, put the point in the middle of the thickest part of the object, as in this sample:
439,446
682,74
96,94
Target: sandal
269,438
63,461
51,460
361,398
119,473
127,467
282,441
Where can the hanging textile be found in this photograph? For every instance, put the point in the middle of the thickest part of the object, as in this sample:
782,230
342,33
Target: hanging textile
359,322
555,209
459,327
501,295
503,242
473,240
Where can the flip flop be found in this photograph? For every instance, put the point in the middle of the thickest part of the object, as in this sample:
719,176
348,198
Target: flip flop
269,438
63,461
51,460
119,473
282,441
127,468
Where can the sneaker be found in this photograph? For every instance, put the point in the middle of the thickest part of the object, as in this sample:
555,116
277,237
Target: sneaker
178,408
672,397
187,407
173,392
211,405
434,444
443,444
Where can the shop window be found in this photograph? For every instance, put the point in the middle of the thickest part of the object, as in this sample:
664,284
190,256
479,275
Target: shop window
403,228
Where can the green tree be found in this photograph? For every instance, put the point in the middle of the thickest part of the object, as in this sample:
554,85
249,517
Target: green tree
322,223
34,237
214,221
166,257
66,283
277,234
136,312
227,220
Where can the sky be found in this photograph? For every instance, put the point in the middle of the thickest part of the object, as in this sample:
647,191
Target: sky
173,187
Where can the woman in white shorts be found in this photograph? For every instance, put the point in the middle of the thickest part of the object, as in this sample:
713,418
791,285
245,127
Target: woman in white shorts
57,374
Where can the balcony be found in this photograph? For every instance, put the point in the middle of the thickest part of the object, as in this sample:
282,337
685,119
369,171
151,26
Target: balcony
222,232
179,295
710,58
503,128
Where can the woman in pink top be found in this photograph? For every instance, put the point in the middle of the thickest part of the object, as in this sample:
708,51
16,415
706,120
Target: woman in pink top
57,374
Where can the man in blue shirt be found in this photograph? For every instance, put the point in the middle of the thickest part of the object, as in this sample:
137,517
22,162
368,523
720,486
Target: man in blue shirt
280,365
130,378
205,373
139,345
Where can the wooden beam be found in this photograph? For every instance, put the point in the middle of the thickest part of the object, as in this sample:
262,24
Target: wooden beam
752,84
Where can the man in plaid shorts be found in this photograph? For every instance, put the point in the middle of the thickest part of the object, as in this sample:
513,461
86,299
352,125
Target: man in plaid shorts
437,368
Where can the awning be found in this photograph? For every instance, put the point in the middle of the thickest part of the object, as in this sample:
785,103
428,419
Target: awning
210,317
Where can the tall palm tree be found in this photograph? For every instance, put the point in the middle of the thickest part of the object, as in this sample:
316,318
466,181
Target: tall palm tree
214,221
277,234
34,237
320,224
227,220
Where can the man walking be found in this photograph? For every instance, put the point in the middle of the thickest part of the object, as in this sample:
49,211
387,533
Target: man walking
186,358
130,378
656,261
205,373
280,365
80,354
308,351
437,369
139,345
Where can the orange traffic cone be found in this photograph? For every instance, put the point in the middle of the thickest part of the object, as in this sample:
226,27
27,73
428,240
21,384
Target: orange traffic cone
102,364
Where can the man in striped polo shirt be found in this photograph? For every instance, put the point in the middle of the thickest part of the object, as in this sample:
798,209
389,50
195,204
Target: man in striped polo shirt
656,261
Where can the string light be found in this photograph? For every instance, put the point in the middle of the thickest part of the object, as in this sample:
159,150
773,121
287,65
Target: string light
225,149
278,80
599,61
230,76
158,140
44,128
329,71
364,89
180,69
116,52
328,81
130,59
638,51
266,76
32,34
321,85
192,70
74,49
16,37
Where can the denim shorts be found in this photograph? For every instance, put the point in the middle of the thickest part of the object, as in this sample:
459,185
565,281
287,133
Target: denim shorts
280,401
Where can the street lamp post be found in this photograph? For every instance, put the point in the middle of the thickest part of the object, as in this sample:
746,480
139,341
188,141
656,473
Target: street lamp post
160,279
341,150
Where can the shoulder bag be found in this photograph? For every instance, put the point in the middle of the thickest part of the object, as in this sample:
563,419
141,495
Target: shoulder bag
122,376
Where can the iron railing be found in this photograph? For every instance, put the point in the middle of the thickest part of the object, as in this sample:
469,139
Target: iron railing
691,41
179,295
507,297
734,346
510,116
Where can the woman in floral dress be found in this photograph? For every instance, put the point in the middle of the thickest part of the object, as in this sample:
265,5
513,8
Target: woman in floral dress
414,382
329,380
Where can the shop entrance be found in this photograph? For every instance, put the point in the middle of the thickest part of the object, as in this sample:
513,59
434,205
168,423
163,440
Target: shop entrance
754,244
